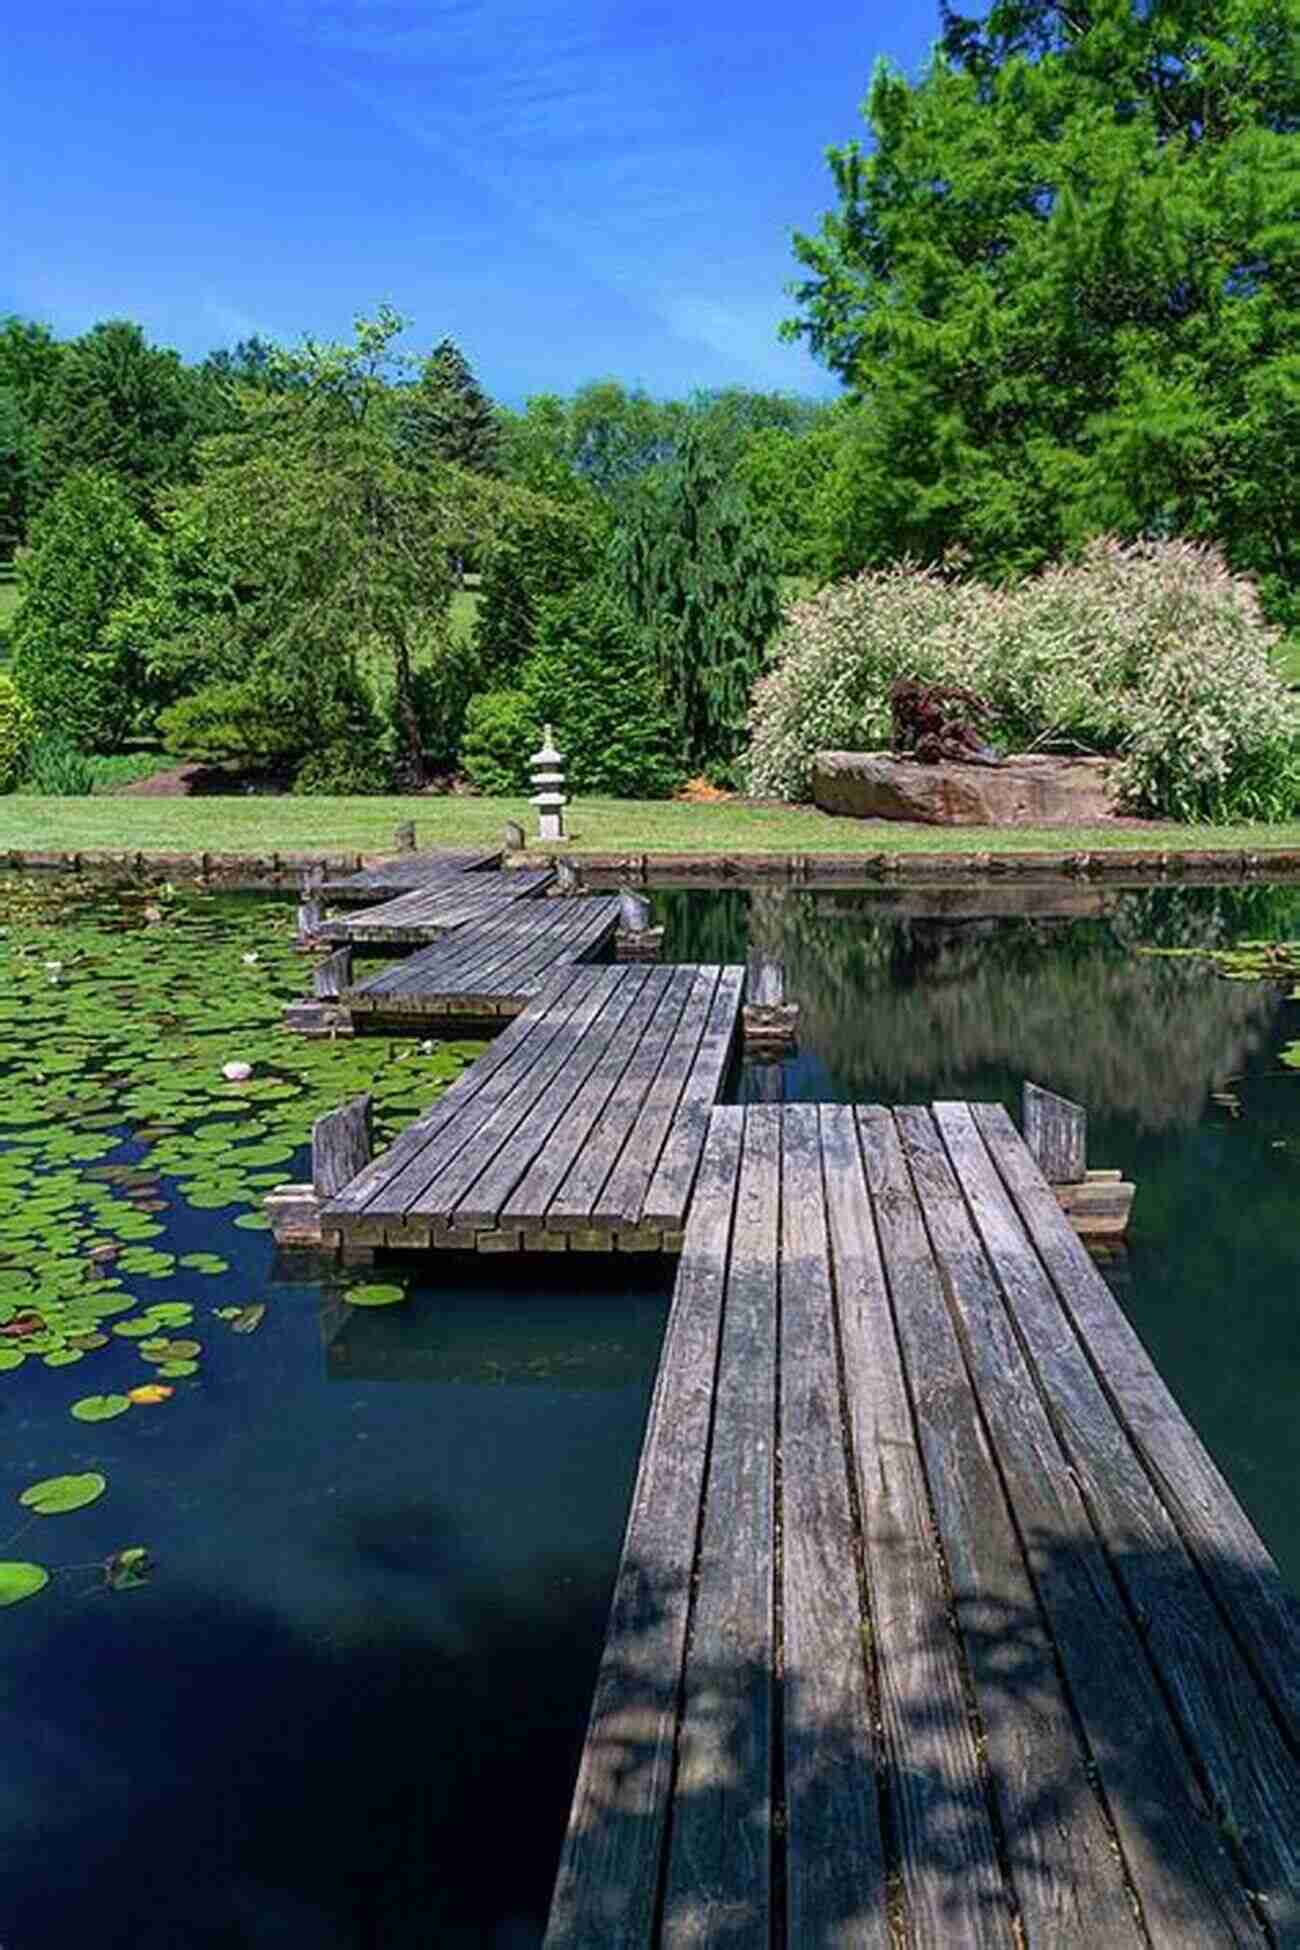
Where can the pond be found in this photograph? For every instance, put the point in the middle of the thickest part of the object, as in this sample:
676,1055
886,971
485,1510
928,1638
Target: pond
339,1699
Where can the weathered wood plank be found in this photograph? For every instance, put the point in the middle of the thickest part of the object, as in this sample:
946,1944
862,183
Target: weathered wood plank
1180,1867
608,1882
835,1876
491,1189
416,1138
429,1186
1056,1132
1263,1613
623,1193
575,1201
893,1318
1252,1778
340,1146
718,1884
528,1203
669,1191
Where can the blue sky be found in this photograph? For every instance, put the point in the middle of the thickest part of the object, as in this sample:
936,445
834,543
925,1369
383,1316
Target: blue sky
571,189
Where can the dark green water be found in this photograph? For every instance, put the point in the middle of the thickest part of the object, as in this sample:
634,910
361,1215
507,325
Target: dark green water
346,1708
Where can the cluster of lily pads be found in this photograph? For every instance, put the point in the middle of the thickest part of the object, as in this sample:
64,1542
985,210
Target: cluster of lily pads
119,1012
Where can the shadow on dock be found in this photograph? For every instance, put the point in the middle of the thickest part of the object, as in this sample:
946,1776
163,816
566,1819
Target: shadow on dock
962,1877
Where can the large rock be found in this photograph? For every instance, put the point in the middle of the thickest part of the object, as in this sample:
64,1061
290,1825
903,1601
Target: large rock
1033,790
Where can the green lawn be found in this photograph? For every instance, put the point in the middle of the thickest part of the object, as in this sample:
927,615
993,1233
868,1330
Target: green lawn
265,825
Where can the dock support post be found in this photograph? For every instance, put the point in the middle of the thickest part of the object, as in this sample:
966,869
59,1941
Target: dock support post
636,940
330,977
1056,1131
1097,1203
770,1022
566,877
340,1146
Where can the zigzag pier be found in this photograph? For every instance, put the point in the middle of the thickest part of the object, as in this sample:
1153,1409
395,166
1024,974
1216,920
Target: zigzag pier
935,1623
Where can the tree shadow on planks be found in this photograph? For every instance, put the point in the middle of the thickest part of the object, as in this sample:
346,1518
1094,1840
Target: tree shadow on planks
1062,1833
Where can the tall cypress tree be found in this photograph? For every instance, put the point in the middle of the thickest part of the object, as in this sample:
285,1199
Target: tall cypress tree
447,416
701,582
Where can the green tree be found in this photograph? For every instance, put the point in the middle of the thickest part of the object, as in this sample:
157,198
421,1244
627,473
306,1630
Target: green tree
448,417
539,548
700,581
29,359
328,561
589,679
89,551
121,406
1066,284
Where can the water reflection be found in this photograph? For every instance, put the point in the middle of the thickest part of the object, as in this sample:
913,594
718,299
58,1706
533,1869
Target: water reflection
574,1327
911,992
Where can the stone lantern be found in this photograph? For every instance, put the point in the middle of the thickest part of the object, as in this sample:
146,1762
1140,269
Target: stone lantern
548,798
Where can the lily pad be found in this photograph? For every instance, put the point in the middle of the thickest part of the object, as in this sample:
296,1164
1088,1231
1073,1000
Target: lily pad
150,1392
99,1408
374,1294
247,1320
55,1494
19,1581
204,1262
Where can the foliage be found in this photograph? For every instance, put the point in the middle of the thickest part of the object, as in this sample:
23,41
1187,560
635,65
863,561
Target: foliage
15,733
55,769
590,680
700,583
501,733
122,406
29,359
1150,650
1064,284
539,548
89,552
346,768
447,416
328,556
788,478
445,675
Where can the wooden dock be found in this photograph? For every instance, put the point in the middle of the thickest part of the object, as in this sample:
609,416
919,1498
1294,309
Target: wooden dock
455,899
409,872
581,1127
493,968
935,1623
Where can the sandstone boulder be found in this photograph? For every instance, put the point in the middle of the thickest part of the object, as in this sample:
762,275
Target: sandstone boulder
1029,790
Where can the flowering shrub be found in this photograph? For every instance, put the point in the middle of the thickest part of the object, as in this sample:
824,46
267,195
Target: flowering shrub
1151,651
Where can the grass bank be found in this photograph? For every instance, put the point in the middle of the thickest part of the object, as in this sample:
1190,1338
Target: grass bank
263,825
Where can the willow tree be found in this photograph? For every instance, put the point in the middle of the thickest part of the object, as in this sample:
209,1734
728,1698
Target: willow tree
700,581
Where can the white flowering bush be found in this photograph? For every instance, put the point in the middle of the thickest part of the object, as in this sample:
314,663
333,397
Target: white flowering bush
1149,651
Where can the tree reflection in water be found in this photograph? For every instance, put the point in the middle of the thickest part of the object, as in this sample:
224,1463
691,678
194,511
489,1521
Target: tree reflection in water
910,992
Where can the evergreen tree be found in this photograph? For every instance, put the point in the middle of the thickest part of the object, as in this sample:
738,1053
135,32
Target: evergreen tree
1066,284
700,581
448,417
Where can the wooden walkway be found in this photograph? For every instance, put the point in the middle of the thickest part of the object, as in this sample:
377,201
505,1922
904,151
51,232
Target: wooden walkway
492,969
452,900
935,1623
409,872
581,1126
